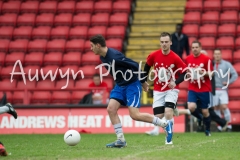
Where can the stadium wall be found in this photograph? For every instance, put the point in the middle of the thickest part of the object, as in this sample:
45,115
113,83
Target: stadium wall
88,119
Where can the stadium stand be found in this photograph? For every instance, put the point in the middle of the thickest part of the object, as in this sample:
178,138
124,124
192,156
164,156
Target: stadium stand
48,35
218,26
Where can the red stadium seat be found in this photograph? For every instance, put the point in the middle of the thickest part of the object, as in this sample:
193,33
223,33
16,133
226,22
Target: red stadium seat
118,19
11,7
212,6
115,43
4,45
233,94
116,32
24,32
237,43
97,30
225,43
237,67
88,70
227,55
194,6
46,84
77,96
41,97
208,30
41,32
236,56
8,20
6,84
45,19
62,84
122,6
235,118
100,19
60,97
38,45
73,70
33,70
182,96
84,7
18,46
82,19
83,83
87,46
66,7
6,32
18,97
191,30
238,30
57,45
78,32
235,84
1,6
210,17
210,53
103,6
48,7
47,73
184,85
10,59
53,58
27,19
75,45
64,19
192,18
27,84
5,73
233,5
227,30
109,82
90,58
229,17
2,59
34,58
208,42
72,58
60,32
29,7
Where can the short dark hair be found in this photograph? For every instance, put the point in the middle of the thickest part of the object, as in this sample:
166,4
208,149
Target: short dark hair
96,75
180,25
199,43
217,49
98,39
164,34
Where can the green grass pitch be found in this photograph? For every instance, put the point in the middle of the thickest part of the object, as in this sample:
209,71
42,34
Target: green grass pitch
190,146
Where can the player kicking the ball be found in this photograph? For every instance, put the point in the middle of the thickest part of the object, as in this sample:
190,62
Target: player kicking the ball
127,91
169,67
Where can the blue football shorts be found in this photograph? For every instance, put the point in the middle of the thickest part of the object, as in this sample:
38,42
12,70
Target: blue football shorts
129,95
203,100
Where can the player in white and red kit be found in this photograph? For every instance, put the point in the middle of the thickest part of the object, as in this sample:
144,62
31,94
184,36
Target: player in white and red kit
200,84
167,65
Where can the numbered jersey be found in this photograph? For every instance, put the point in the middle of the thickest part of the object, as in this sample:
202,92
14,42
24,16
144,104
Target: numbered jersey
166,68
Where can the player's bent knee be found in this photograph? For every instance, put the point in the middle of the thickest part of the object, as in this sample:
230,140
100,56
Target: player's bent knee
112,110
205,112
170,105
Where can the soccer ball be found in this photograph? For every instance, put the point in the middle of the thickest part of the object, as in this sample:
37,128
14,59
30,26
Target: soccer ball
72,137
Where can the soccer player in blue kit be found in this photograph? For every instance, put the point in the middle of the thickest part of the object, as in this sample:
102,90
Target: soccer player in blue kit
127,91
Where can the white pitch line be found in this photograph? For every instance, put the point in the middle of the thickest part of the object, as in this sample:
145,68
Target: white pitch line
166,147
